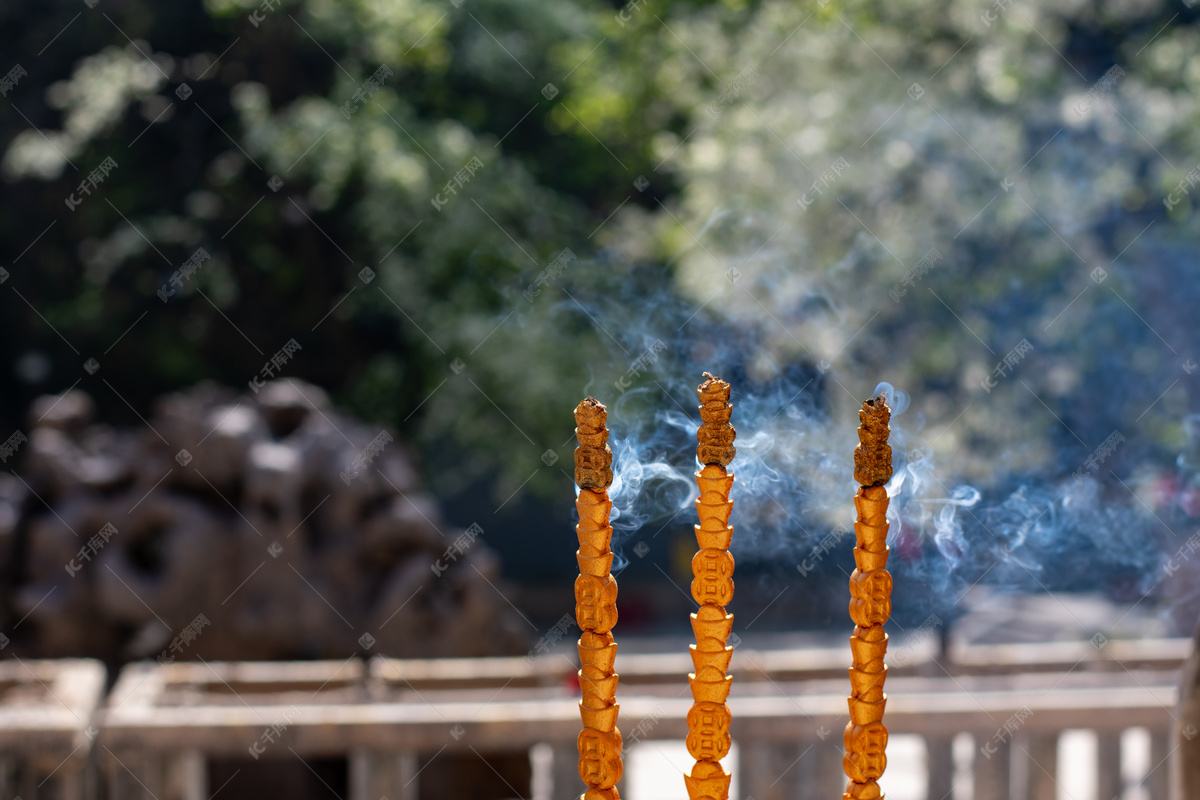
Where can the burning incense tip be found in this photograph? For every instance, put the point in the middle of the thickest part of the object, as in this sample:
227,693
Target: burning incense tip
715,435
593,458
873,455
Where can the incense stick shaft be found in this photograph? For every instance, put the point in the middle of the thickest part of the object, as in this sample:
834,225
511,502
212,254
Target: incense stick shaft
866,736
712,587
599,743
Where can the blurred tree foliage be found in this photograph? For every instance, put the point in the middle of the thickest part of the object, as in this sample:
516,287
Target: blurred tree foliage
1033,150
600,128
235,128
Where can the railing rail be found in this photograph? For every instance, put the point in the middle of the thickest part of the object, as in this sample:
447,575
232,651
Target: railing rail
764,664
162,724
46,712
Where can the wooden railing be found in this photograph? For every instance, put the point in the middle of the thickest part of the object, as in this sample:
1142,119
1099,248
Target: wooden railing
394,720
47,709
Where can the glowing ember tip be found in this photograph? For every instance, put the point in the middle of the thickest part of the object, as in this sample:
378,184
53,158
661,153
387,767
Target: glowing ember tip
593,458
873,455
715,435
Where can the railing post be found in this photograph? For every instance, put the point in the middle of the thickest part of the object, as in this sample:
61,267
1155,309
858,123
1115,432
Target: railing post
8,778
408,765
767,770
565,769
375,774
136,776
71,783
819,771
541,772
1039,752
993,769
362,774
1108,762
187,776
1158,781
939,766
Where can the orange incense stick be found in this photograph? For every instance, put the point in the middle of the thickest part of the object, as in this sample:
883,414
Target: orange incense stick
712,587
866,736
599,742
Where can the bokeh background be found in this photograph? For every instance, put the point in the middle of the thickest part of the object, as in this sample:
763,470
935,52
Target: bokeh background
460,218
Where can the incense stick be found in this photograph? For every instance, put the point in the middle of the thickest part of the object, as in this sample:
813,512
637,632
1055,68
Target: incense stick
866,736
599,742
712,587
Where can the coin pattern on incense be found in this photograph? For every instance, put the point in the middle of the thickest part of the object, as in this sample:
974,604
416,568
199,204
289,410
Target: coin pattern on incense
708,720
866,736
599,743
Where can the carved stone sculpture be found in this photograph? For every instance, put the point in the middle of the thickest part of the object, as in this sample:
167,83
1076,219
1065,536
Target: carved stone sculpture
295,530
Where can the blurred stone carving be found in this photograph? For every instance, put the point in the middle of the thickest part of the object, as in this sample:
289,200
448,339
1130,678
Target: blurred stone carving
293,530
